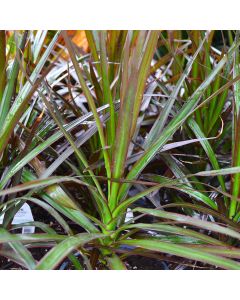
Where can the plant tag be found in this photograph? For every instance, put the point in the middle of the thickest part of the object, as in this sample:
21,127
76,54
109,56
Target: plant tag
129,215
24,215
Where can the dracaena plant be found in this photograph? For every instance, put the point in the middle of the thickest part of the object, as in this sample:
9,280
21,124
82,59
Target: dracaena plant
108,125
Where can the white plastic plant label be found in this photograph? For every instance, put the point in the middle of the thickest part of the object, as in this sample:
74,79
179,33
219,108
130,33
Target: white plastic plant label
24,215
129,215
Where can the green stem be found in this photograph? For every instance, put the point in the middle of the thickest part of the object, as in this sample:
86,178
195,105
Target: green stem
2,62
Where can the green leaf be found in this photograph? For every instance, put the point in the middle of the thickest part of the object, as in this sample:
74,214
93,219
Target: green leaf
134,80
182,251
40,183
115,262
175,123
20,250
19,104
60,251
91,102
235,186
163,116
176,230
190,221
207,148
